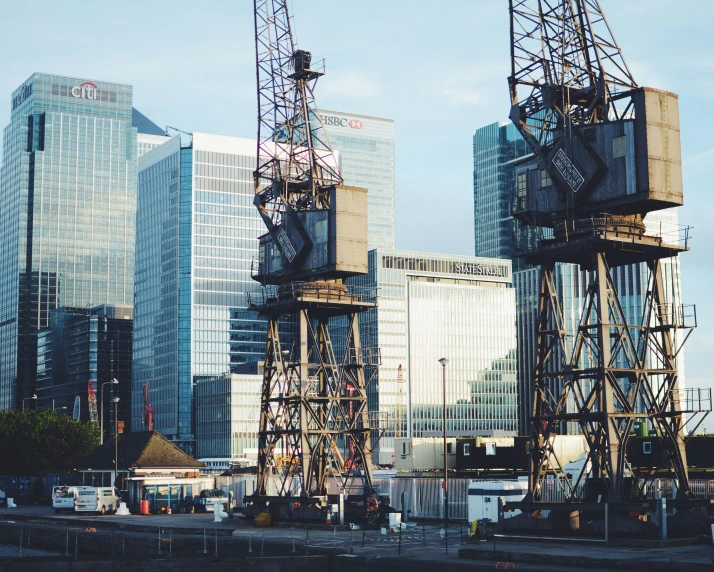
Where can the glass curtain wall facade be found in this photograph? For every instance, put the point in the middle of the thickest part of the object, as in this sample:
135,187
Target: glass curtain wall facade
84,345
498,148
365,146
67,212
433,306
227,413
197,239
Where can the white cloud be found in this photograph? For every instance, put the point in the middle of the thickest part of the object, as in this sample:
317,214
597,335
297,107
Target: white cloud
698,157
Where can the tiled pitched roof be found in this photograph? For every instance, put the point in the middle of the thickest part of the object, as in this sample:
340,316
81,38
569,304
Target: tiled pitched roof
140,450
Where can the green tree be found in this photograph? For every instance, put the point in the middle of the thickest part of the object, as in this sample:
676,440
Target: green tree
39,442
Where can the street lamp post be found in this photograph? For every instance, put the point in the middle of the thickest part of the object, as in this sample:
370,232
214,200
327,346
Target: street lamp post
444,362
101,409
116,441
26,398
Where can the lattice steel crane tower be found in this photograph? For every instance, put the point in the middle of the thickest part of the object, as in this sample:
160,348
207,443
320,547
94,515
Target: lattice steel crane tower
313,410
606,152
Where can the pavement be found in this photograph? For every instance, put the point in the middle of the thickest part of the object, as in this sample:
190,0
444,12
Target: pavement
594,555
419,548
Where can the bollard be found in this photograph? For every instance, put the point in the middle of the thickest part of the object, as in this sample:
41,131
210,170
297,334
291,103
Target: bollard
66,543
293,539
334,537
215,543
250,541
262,544
159,540
342,509
230,504
400,538
20,542
607,524
204,542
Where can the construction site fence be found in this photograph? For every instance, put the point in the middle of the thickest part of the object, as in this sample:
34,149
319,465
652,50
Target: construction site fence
74,542
425,496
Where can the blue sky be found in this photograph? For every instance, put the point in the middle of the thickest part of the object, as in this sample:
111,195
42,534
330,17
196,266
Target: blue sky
437,68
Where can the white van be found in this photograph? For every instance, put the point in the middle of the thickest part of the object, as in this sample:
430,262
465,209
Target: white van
63,498
96,499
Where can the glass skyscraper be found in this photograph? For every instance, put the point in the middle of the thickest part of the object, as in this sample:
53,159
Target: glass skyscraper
365,146
197,239
433,306
67,212
497,149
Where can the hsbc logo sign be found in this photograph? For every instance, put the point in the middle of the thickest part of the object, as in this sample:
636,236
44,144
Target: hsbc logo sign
342,122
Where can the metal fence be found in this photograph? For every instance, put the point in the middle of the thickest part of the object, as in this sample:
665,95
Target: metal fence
75,543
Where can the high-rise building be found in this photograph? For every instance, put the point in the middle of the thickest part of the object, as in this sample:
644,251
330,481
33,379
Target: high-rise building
149,135
67,212
433,306
227,413
365,147
498,148
197,240
84,345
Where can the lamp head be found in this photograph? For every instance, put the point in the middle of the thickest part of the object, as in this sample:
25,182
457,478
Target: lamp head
115,400
114,381
443,361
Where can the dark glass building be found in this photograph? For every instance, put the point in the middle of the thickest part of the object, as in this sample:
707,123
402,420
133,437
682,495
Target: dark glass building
83,345
67,212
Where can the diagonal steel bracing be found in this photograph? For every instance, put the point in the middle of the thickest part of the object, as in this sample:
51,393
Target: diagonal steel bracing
616,372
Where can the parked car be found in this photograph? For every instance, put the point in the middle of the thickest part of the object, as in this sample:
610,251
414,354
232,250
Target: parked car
63,498
208,497
96,499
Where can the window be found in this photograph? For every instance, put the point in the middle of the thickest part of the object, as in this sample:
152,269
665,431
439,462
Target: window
521,192
619,146
545,180
647,447
467,449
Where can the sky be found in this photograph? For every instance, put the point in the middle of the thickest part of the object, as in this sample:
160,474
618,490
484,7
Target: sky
437,68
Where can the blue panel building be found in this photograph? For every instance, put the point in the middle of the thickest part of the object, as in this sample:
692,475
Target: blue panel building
67,212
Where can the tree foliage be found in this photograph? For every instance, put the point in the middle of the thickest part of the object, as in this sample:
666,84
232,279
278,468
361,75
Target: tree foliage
40,442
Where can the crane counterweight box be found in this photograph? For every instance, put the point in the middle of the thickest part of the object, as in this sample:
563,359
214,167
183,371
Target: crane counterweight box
320,243
631,165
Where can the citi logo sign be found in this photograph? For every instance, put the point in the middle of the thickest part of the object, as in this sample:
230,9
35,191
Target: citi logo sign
342,122
87,90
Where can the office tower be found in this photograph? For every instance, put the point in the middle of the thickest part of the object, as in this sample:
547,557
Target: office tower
365,147
81,345
197,240
67,212
497,150
433,306
227,412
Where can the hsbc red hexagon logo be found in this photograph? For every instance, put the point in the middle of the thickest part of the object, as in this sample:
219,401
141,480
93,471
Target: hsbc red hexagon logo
356,124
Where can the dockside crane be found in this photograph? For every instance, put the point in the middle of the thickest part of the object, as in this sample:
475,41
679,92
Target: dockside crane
606,153
314,397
